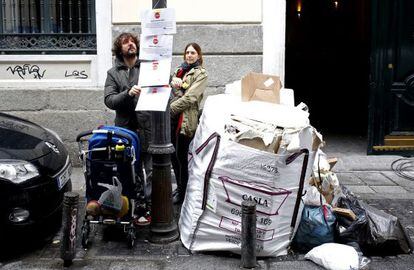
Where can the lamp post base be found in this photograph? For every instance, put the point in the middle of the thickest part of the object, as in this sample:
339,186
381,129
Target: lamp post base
164,227
164,233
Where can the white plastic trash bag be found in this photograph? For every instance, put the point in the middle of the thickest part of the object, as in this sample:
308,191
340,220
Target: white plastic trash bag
334,256
313,197
111,199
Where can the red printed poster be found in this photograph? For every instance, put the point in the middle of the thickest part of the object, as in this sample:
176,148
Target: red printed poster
158,22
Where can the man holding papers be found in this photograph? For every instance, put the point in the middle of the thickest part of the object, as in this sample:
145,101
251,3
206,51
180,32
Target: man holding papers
122,94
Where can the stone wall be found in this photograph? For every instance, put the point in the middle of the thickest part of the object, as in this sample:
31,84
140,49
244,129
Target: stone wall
229,50
66,111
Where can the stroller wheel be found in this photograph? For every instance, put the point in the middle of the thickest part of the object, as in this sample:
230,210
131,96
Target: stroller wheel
86,228
131,237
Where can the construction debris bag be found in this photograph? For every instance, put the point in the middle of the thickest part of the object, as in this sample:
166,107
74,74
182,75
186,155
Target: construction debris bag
223,173
377,233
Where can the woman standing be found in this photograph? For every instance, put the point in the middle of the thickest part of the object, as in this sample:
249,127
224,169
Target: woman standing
188,84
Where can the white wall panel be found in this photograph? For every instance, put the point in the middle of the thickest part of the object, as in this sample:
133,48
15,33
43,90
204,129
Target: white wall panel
127,11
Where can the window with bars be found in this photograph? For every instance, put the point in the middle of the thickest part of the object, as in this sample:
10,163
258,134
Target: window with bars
47,27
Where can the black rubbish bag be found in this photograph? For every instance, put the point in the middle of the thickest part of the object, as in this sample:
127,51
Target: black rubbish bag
377,233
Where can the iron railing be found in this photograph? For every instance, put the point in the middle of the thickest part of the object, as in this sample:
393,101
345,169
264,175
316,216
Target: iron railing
47,27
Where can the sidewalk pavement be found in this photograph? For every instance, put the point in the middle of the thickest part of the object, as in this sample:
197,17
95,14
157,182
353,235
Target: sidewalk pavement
369,177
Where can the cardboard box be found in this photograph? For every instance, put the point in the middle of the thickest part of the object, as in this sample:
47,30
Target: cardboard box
262,87
348,213
332,162
258,143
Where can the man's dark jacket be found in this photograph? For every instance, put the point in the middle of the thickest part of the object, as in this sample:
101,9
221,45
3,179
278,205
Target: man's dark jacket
119,80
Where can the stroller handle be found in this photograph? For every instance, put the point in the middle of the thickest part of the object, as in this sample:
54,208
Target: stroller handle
104,131
83,134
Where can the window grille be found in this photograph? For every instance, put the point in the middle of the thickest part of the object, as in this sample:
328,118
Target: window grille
47,27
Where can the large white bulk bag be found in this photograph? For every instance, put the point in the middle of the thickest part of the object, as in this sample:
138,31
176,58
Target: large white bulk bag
223,173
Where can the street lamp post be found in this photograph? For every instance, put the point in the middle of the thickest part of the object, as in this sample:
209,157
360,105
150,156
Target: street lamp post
163,226
159,4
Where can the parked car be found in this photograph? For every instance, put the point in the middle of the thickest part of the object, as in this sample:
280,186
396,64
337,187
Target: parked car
35,172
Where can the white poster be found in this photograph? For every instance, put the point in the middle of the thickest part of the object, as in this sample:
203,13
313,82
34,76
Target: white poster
155,47
155,73
153,99
158,22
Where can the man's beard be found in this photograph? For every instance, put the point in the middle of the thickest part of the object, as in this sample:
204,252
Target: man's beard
129,54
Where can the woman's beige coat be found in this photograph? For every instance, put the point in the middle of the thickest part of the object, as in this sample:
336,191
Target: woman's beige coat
189,102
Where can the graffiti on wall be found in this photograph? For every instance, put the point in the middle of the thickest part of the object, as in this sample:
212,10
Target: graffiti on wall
45,71
76,74
27,71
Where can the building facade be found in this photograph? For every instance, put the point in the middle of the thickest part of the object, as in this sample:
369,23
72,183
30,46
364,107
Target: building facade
54,54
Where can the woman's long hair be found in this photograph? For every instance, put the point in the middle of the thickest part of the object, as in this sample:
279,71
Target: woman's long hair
198,50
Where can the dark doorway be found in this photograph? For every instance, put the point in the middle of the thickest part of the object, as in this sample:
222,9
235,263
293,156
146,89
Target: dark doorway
327,62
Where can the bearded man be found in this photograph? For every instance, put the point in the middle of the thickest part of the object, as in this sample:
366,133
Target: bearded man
122,94
121,89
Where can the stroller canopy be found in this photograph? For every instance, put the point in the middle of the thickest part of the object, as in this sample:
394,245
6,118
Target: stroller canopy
101,139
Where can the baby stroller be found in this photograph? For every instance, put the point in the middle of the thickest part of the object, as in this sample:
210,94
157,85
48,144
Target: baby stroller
113,189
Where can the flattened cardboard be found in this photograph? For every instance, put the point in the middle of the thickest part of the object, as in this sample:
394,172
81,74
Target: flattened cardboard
348,213
258,143
261,87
